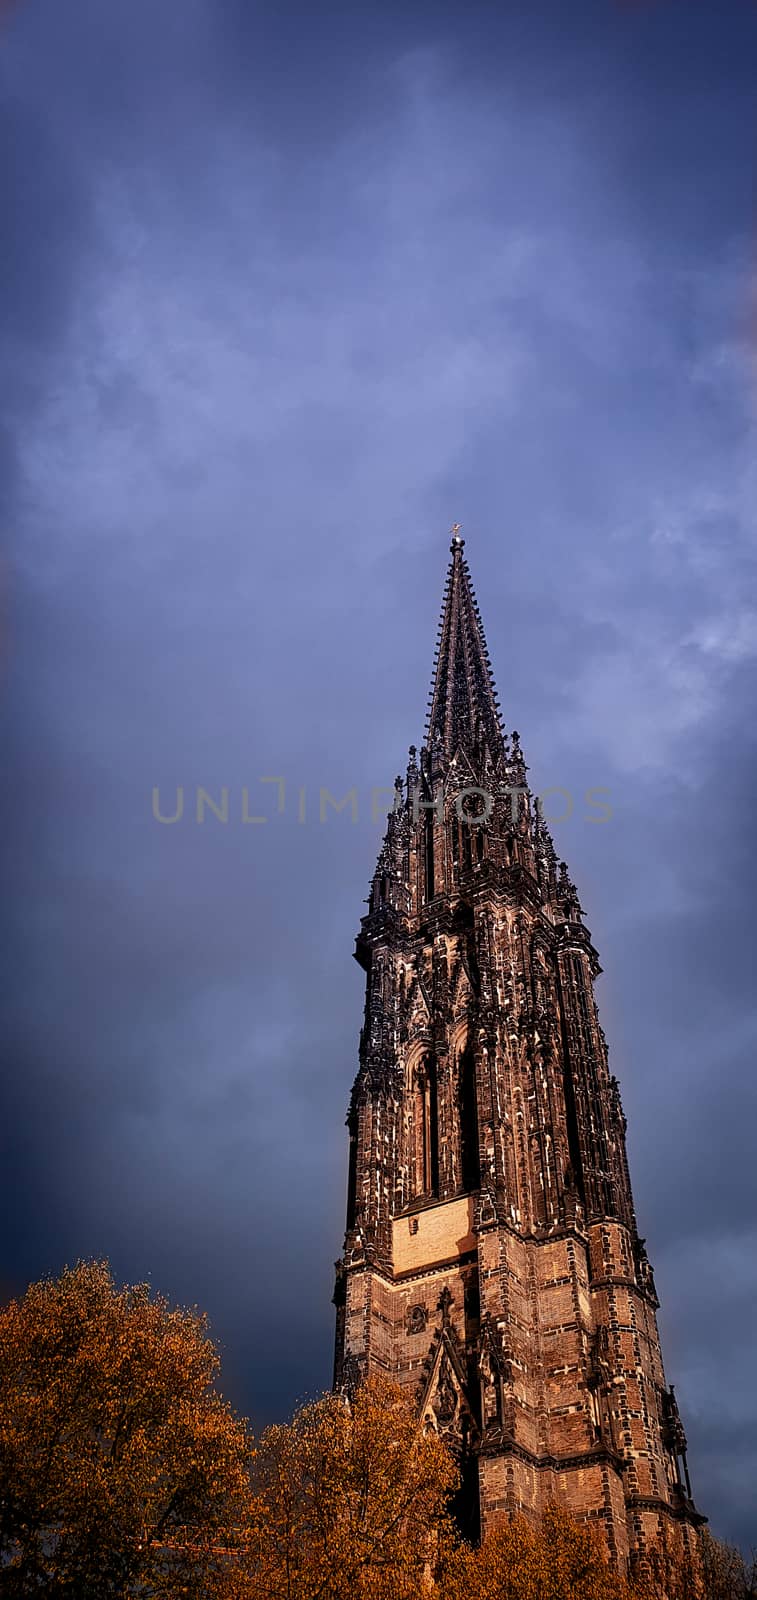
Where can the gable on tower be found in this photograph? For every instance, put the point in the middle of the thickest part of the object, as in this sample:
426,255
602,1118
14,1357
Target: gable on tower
444,1406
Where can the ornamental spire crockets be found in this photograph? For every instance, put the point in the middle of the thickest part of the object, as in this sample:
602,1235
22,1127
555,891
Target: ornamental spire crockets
463,708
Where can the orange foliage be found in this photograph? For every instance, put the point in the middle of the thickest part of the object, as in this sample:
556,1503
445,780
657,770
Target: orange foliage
353,1501
713,1571
558,1559
122,1472
561,1559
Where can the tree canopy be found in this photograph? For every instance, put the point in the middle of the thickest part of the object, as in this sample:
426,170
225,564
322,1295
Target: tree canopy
352,1500
554,1559
122,1471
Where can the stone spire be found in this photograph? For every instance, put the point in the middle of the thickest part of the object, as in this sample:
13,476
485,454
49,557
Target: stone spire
463,706
491,1259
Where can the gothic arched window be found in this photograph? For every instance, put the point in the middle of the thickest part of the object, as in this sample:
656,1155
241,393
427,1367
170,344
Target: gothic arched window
429,854
467,858
470,1168
455,826
426,1130
352,1171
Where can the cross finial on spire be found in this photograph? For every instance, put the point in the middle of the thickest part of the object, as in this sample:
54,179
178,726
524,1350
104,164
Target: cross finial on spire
457,542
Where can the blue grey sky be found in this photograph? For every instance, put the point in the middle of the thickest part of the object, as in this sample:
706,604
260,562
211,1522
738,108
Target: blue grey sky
286,289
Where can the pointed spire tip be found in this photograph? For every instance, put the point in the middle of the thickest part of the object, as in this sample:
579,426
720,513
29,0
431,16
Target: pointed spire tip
462,707
457,542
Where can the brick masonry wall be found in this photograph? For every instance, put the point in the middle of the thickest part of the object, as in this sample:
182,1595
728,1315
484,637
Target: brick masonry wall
602,1458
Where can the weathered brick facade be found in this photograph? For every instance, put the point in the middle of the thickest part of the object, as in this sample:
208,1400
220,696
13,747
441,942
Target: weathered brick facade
491,1261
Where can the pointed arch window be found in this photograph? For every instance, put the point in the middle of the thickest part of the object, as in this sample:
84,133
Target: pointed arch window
455,826
467,859
470,1166
352,1171
426,1130
429,854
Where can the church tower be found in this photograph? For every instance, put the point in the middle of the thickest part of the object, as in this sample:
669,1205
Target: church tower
492,1263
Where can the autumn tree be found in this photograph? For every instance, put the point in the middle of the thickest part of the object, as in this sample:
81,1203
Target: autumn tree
352,1500
558,1558
711,1570
122,1471
724,1572
554,1559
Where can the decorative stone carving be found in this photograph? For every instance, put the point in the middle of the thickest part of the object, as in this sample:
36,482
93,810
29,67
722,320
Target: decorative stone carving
598,1381
416,1319
351,1375
644,1273
445,1304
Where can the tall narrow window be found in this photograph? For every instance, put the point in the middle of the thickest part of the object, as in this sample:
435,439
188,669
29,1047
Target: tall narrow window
433,1129
466,827
469,1157
352,1174
426,1162
429,843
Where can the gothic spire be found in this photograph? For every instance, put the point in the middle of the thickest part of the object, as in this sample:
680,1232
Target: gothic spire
463,707
483,1123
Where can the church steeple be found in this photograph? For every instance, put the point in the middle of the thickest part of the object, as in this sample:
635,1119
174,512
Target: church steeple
492,1261
463,706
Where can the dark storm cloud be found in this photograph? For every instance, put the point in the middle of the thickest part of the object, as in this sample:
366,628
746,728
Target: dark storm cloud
44,221
287,290
44,215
